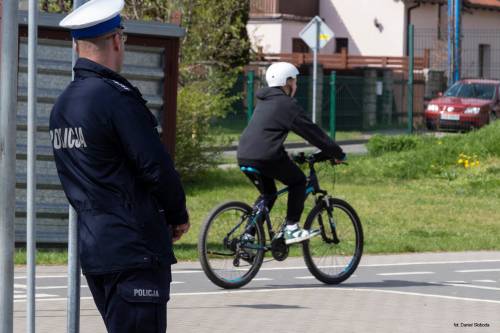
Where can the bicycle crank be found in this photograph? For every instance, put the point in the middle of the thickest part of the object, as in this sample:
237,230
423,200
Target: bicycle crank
279,249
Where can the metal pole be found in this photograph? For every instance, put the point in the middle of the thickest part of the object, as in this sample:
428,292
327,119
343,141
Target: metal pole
450,42
31,167
250,80
458,49
73,274
410,79
8,107
333,104
73,257
315,70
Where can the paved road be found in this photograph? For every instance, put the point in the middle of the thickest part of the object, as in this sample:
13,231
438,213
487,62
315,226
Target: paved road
394,293
349,148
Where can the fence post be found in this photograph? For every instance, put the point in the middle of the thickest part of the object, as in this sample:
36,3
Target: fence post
250,93
451,46
31,168
333,103
458,37
73,319
410,79
8,108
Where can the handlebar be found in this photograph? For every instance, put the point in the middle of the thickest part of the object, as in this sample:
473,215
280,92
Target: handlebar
316,157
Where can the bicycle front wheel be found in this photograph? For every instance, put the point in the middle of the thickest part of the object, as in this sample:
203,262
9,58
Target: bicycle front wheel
333,255
231,245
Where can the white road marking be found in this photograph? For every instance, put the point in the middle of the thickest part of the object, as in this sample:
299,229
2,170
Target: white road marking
304,267
22,286
36,296
453,282
187,272
65,299
471,286
478,270
372,265
58,287
405,273
432,263
485,281
322,289
177,282
262,279
309,277
44,276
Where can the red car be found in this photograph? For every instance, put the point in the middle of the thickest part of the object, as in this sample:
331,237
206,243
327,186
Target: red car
467,104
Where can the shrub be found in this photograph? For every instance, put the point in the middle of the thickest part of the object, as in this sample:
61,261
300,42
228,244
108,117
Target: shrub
380,144
197,105
430,157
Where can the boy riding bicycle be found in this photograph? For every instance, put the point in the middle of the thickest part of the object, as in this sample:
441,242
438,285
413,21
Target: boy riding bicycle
261,144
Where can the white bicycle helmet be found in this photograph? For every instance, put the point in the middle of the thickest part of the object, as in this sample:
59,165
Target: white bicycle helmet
278,73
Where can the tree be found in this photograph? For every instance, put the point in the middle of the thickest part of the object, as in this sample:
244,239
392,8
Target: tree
217,32
213,52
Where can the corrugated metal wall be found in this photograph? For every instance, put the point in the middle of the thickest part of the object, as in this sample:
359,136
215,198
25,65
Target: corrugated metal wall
143,67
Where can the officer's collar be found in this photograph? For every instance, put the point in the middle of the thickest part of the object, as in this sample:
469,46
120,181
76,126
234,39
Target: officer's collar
84,64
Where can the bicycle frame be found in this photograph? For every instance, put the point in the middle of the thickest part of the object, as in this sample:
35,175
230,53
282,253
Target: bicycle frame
260,207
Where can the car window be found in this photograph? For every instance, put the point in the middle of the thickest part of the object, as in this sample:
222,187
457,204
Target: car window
453,90
484,91
471,90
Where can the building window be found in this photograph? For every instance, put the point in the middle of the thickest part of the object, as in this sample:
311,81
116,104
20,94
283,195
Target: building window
299,46
484,61
341,43
442,26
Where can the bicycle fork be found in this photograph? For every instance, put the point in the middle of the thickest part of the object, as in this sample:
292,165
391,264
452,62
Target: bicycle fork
331,222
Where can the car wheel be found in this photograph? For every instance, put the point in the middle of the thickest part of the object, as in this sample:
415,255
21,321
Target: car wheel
430,126
492,117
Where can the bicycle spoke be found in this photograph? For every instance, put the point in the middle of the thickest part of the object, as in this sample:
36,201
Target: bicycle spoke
329,261
230,255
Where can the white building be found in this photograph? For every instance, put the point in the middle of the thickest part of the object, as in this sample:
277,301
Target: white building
379,28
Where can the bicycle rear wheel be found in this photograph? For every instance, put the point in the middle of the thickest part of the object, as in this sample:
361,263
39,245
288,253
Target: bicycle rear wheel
333,255
230,259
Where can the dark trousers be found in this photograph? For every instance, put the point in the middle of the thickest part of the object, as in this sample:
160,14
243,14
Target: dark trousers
132,301
289,174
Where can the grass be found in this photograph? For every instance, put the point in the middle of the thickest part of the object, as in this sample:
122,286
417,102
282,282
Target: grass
43,256
398,215
409,199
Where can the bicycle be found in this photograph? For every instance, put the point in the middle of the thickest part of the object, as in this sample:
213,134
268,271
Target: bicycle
232,241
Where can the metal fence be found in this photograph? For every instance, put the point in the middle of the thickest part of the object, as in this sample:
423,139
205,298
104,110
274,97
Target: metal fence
367,100
480,51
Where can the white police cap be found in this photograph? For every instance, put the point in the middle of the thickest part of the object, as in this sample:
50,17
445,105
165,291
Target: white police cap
94,18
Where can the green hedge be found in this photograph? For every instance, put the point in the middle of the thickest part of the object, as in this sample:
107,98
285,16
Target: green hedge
417,156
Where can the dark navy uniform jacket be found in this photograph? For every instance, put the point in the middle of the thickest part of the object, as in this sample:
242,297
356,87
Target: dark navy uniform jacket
115,172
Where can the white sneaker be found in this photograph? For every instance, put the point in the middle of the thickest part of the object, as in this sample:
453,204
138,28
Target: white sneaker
294,234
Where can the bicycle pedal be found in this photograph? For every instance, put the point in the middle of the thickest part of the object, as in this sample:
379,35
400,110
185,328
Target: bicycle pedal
315,233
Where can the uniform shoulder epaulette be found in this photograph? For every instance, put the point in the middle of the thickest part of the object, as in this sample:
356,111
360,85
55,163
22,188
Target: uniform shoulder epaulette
117,85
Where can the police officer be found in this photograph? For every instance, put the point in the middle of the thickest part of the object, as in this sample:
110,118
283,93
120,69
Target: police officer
261,144
117,175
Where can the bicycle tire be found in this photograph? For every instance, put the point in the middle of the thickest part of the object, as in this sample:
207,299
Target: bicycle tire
341,263
210,260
